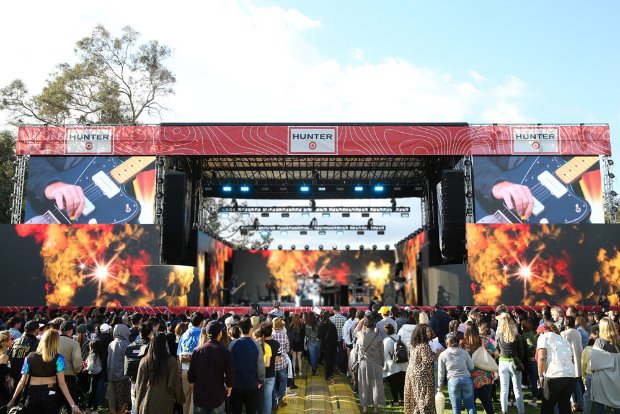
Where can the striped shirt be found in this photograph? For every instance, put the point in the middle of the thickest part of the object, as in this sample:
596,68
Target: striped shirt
282,337
339,321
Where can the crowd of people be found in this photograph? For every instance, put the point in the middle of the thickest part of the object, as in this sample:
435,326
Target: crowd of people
569,359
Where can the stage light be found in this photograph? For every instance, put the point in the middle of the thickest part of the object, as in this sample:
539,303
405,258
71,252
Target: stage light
264,214
360,232
404,215
339,188
303,233
279,247
321,188
326,214
386,214
334,247
305,213
378,188
264,188
347,247
159,211
224,214
264,233
374,247
340,232
361,247
304,188
245,215
387,247
306,247
380,232
227,189
320,247
358,188
610,162
284,233
286,215
346,214
611,175
293,247
322,232
613,193
244,188
365,214
158,195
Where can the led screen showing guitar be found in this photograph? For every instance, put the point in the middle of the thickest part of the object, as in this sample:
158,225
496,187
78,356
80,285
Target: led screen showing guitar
102,180
549,180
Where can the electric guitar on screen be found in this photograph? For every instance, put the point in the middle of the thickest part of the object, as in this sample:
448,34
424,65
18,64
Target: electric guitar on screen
549,180
102,180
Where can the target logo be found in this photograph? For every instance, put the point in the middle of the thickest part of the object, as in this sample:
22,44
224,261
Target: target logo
536,145
312,145
88,146
89,140
313,140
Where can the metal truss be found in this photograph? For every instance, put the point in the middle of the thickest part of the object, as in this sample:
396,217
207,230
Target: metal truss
19,182
609,195
469,189
160,176
296,227
297,209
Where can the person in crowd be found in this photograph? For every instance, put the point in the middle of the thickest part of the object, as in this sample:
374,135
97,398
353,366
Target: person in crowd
83,339
42,371
119,384
401,317
296,336
187,343
510,364
439,323
94,369
556,372
368,355
453,329
424,318
603,302
386,319
557,315
272,352
72,353
158,384
393,372
339,320
605,382
249,373
328,335
22,346
279,334
529,338
134,331
348,332
586,372
482,379
134,353
15,325
6,341
455,364
313,344
581,324
573,337
406,331
419,379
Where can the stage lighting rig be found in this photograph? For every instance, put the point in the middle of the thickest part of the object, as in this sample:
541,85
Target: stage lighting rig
305,211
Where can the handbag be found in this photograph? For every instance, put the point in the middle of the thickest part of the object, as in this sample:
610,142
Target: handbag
517,365
483,360
440,402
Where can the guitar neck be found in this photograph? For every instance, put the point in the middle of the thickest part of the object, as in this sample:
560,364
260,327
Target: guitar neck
573,169
128,169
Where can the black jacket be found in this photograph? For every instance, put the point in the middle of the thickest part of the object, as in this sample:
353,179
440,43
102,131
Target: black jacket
22,346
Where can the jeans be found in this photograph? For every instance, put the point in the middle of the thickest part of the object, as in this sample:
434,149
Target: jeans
313,351
484,395
329,358
280,389
577,396
267,392
587,396
240,398
461,388
532,372
133,397
219,410
557,391
599,408
93,400
507,374
40,401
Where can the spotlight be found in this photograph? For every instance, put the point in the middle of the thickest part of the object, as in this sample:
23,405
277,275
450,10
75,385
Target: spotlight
264,234
293,247
611,175
358,188
378,188
264,214
387,247
244,188
245,215
365,214
326,214
374,247
303,232
346,214
340,232
361,247
404,215
304,188
386,214
305,213
380,232
284,233
360,232
334,247
347,247
306,247
227,189
320,247
322,189
286,215
279,247
613,193
322,232
610,162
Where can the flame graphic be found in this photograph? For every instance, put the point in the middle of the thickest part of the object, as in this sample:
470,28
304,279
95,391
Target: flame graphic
607,277
177,285
407,254
108,256
144,187
220,254
593,193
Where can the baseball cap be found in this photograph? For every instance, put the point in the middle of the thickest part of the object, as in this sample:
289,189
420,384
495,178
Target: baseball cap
229,321
542,328
31,326
105,327
214,328
82,328
384,310
67,326
368,312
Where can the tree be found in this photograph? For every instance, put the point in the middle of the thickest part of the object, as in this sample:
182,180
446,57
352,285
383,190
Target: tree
115,81
7,170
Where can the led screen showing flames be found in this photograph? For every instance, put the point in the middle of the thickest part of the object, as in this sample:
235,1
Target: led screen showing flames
407,253
78,264
115,189
560,190
212,258
519,264
374,267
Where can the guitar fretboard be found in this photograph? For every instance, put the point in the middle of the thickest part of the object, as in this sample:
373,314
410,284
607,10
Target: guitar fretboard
574,168
128,169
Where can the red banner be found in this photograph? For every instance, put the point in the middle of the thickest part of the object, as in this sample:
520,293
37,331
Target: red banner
336,139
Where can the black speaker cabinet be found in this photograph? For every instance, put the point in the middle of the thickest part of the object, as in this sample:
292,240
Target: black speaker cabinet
452,215
176,218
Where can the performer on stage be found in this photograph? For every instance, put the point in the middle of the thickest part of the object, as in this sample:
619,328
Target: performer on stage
313,290
328,291
300,293
273,287
399,284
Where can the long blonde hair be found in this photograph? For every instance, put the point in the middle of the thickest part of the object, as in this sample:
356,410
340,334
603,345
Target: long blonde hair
607,330
4,336
49,345
507,329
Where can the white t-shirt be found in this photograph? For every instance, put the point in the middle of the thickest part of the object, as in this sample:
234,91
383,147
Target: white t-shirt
559,355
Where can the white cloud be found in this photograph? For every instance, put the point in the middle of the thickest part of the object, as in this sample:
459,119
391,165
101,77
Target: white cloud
357,53
476,76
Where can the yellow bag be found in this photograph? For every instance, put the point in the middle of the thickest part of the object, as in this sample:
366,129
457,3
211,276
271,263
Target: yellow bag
440,402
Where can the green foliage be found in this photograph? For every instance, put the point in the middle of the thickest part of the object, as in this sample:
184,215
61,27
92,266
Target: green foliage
7,170
116,80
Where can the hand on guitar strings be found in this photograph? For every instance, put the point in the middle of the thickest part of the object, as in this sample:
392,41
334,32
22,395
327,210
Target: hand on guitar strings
68,197
517,197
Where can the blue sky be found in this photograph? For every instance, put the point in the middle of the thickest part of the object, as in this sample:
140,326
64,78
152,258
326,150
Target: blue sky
364,61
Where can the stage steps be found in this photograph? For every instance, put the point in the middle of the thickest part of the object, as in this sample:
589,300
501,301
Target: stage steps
315,395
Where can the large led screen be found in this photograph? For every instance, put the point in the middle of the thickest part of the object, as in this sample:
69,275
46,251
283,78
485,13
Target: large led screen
409,254
90,190
292,270
521,264
57,264
212,257
538,189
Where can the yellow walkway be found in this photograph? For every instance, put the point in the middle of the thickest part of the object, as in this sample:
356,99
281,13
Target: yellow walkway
315,395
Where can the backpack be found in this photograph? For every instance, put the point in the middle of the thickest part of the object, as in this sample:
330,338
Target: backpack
399,353
93,364
133,354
